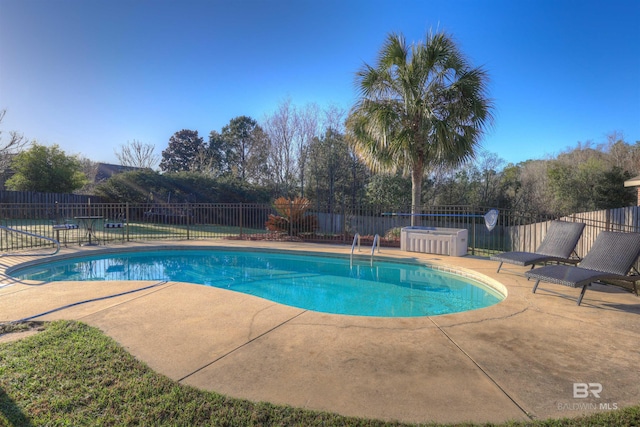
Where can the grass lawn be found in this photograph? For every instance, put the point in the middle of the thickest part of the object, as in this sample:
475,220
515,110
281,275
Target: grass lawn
71,374
134,230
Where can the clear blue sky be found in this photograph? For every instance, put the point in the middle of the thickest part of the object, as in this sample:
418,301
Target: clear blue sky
91,75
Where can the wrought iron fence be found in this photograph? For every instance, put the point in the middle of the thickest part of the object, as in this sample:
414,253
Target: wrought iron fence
75,223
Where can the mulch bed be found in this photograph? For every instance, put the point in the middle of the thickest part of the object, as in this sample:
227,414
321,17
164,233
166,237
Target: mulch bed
334,239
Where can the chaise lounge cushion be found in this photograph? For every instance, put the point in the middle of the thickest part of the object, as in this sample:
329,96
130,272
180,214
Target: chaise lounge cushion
558,244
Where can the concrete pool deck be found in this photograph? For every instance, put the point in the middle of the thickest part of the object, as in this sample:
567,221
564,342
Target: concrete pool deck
517,360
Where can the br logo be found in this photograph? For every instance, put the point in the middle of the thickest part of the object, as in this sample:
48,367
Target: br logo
582,390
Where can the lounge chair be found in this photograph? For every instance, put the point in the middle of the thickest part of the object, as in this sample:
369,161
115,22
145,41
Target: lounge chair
558,245
611,257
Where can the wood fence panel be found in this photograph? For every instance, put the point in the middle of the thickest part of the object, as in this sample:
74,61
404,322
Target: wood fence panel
35,197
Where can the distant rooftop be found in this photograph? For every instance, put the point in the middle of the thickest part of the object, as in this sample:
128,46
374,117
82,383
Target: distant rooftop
633,182
106,171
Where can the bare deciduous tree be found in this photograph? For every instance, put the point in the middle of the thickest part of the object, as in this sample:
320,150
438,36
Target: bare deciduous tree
489,165
205,163
622,154
291,130
306,123
281,130
534,180
9,147
137,154
334,119
90,170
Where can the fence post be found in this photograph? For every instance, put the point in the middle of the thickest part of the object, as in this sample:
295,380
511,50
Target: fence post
188,222
290,217
473,234
127,219
344,223
240,219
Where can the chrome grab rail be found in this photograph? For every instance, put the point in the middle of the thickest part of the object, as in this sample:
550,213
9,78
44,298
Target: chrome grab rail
3,227
356,238
376,239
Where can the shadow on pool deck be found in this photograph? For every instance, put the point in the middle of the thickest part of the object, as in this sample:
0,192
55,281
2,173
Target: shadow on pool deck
517,360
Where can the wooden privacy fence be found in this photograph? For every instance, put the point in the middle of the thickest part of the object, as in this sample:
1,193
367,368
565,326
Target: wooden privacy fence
34,197
527,237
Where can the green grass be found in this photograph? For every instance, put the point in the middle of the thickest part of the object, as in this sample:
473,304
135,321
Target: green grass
135,231
71,374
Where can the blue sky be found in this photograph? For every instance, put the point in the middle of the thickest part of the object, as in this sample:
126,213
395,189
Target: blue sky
92,75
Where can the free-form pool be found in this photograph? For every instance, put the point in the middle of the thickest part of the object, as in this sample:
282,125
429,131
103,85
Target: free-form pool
308,281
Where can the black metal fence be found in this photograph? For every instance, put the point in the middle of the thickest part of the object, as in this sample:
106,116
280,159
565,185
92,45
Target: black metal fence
76,223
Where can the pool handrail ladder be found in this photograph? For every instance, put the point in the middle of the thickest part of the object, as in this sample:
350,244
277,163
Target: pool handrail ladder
376,239
38,236
356,238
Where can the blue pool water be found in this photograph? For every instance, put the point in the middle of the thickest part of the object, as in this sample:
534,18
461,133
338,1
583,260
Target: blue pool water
313,282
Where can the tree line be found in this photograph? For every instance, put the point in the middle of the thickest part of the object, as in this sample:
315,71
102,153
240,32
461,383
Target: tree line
588,176
411,139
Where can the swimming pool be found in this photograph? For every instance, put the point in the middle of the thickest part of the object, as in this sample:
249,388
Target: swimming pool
309,281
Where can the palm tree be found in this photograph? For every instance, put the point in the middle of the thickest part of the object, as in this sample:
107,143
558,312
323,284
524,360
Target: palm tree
420,107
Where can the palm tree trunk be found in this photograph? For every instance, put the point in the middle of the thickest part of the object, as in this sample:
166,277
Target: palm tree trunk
416,193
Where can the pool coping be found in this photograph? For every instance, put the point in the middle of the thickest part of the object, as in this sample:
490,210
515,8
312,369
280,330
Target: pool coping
517,360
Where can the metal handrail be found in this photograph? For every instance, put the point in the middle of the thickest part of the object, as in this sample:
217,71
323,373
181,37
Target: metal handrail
57,243
356,238
376,239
